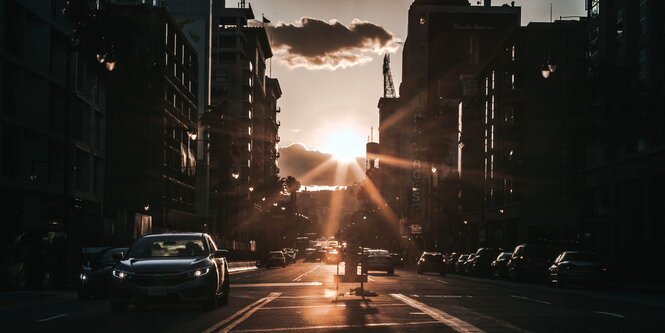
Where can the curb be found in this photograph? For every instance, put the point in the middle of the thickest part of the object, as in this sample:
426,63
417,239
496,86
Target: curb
241,266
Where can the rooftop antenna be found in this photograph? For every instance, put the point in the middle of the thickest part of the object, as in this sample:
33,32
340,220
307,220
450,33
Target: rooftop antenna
241,4
388,86
550,12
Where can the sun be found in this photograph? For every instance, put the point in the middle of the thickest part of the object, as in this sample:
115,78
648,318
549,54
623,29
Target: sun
344,144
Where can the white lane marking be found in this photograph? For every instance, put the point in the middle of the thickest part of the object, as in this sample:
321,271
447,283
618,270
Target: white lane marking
277,284
362,305
266,300
307,328
509,326
51,318
213,328
531,299
370,279
309,271
610,314
451,321
446,282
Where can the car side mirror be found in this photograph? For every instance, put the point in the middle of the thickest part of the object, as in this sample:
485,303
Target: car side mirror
118,256
221,254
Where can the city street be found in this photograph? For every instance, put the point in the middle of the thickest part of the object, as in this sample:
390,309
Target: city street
302,298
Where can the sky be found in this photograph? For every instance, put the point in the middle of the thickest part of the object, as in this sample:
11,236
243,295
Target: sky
328,59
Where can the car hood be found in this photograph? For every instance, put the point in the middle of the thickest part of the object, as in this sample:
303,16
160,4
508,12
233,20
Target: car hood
162,265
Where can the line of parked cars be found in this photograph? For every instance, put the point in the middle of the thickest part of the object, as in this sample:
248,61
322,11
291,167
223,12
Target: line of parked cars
530,262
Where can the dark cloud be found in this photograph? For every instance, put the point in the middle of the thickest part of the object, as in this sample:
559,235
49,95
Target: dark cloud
317,44
298,161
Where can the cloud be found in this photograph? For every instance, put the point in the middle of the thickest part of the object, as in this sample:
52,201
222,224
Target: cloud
316,44
298,161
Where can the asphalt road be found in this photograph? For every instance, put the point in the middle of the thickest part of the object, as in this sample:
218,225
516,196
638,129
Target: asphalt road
303,298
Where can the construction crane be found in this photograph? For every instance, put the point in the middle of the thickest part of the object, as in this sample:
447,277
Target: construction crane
388,86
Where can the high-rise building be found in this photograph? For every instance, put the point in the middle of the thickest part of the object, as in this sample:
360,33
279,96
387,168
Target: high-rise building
448,42
520,134
52,144
625,159
239,126
151,157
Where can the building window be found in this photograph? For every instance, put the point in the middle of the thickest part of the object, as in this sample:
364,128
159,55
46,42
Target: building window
619,24
512,53
595,8
643,16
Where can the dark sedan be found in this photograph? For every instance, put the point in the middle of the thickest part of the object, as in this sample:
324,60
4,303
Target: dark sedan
498,266
577,267
483,260
431,262
162,268
276,259
95,274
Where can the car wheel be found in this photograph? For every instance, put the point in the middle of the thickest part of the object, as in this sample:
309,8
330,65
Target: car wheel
118,306
226,289
283,265
420,271
391,271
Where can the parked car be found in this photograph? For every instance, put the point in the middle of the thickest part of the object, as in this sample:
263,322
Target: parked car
290,255
431,262
450,261
379,260
179,267
498,266
468,264
530,261
96,269
577,267
482,261
398,259
459,265
333,257
275,258
310,254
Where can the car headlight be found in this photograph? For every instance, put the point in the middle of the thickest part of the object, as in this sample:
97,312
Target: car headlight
83,277
198,272
120,274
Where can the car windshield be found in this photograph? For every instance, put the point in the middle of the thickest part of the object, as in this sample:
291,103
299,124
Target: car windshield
168,246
